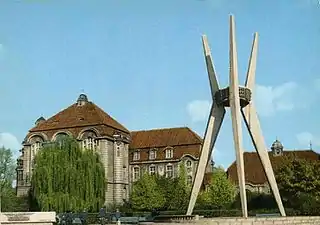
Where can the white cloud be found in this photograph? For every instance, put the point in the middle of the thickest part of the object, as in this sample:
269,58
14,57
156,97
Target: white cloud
305,138
285,97
10,141
199,110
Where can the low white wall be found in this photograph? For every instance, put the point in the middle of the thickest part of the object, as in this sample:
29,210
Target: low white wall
306,220
15,218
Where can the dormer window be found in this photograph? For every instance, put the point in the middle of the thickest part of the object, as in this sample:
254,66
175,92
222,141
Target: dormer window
152,154
136,155
169,153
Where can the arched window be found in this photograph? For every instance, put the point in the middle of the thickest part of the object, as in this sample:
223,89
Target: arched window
36,144
89,143
89,140
35,147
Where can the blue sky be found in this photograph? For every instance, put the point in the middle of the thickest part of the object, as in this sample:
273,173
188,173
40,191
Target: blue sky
142,62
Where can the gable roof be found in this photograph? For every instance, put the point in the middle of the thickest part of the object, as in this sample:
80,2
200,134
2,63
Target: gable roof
88,114
254,173
164,137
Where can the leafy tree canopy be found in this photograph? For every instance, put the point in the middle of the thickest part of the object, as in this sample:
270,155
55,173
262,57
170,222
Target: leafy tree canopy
9,201
299,183
220,193
7,168
146,194
67,177
161,192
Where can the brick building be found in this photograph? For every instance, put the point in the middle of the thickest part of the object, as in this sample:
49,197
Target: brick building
125,154
256,180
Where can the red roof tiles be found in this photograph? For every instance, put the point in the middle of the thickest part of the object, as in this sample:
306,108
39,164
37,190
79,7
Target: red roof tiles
88,114
254,173
183,140
164,137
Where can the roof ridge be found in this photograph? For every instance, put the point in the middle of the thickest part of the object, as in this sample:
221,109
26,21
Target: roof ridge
158,129
195,134
70,117
101,113
54,115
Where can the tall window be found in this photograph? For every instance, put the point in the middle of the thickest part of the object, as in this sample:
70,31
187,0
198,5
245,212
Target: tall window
189,180
152,170
152,154
20,175
124,193
35,147
169,153
89,143
136,173
136,155
189,166
169,171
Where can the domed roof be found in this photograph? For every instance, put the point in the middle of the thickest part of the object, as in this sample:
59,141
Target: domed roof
82,97
88,114
277,145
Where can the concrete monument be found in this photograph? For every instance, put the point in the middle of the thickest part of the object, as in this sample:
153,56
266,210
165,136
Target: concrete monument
239,101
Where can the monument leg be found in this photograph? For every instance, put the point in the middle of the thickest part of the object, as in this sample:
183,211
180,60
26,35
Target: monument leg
236,118
253,125
213,126
252,122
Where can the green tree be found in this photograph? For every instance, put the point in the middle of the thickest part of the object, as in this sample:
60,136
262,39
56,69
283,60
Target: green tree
180,198
167,187
7,168
299,183
146,194
7,175
220,193
66,177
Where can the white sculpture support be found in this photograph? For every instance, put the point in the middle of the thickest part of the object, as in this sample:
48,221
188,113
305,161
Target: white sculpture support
251,119
234,101
239,101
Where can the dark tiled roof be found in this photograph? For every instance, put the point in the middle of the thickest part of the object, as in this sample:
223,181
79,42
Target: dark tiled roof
86,115
183,140
254,173
164,137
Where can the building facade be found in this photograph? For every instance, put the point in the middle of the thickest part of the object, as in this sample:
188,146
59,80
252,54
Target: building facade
256,180
124,154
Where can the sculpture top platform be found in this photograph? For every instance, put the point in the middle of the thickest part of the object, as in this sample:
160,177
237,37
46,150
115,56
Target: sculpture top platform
222,97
